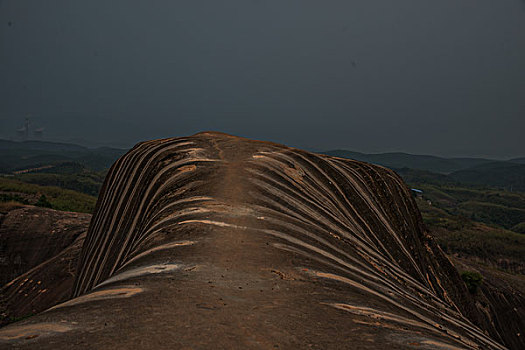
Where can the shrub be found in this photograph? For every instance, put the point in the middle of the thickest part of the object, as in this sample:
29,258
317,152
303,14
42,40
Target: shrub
58,198
473,280
43,202
519,228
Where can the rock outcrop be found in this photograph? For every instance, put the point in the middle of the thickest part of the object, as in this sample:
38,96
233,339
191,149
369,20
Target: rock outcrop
214,241
39,253
31,235
501,298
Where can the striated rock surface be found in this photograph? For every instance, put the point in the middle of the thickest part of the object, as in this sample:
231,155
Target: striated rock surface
214,241
501,298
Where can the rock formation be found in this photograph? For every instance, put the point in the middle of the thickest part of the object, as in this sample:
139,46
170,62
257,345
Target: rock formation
214,241
40,247
31,235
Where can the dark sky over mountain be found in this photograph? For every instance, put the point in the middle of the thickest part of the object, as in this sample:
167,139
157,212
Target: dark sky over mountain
439,77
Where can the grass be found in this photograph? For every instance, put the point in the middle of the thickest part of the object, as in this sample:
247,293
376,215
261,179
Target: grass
7,206
483,242
519,228
460,235
58,198
20,318
85,182
491,213
492,207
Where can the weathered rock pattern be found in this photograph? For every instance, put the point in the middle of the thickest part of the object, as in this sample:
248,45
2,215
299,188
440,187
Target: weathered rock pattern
501,298
31,235
506,310
41,287
40,247
214,241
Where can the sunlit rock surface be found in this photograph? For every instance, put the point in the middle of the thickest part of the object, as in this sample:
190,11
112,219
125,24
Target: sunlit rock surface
214,241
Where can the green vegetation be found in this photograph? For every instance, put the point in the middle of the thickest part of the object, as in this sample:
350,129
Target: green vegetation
519,228
58,198
43,202
473,280
85,181
497,247
22,156
12,197
505,175
461,236
496,208
491,213
6,207
500,197
20,318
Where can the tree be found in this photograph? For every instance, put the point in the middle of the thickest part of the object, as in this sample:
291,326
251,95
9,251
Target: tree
43,202
473,280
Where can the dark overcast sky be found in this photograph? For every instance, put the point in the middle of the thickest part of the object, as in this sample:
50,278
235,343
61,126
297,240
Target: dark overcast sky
443,77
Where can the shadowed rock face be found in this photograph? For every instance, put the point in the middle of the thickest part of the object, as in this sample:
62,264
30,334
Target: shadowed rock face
501,298
41,248
214,241
31,235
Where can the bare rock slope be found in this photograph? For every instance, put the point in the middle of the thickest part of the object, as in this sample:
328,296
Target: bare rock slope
31,235
39,250
214,241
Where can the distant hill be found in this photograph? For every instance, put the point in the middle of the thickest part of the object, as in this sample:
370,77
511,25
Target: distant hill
518,160
17,156
80,168
405,160
40,146
509,175
416,176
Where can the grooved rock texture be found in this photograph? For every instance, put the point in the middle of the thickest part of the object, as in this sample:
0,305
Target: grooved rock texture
214,241
501,298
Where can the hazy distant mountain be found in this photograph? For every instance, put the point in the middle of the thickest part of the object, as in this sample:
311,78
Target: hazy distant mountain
404,160
41,146
518,160
16,156
20,156
509,175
